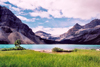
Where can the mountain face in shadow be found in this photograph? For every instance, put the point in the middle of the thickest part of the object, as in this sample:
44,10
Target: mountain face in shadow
11,29
71,32
87,34
92,24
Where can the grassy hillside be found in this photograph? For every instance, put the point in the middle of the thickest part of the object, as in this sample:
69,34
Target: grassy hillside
30,58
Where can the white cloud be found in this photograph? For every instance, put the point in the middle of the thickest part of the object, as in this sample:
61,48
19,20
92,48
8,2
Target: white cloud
47,21
79,22
2,3
42,14
84,9
10,7
3,0
25,19
53,31
98,16
16,9
55,13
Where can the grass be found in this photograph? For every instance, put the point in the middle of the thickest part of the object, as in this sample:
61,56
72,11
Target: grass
30,58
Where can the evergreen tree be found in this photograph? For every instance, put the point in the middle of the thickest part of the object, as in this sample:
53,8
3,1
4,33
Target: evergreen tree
17,42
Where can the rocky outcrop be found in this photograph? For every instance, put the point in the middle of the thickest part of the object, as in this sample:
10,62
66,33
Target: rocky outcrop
42,34
92,24
11,29
75,28
71,32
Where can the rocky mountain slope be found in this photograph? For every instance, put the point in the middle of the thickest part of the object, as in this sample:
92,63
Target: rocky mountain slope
92,24
11,29
45,35
71,32
88,34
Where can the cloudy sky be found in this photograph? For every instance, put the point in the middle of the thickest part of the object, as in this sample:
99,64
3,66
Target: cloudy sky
54,16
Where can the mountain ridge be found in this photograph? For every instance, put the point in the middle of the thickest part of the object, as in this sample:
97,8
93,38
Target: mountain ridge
92,24
19,30
87,34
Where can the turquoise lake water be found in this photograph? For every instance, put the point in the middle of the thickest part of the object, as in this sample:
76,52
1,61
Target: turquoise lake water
49,47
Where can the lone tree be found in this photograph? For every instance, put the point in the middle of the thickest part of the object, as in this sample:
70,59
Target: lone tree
17,42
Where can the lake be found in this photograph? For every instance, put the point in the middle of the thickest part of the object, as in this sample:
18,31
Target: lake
49,47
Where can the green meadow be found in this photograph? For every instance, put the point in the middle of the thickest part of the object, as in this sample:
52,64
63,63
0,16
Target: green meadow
31,58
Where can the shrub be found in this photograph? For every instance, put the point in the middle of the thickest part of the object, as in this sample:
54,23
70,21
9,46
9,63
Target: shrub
20,48
75,50
4,49
56,49
92,49
14,48
67,50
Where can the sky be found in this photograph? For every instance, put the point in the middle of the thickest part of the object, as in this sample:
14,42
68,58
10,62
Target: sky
54,16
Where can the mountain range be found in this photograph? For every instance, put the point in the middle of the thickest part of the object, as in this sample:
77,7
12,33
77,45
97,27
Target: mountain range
12,28
87,34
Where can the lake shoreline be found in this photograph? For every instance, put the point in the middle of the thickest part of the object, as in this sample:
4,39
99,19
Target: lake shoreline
50,51
45,51
48,48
